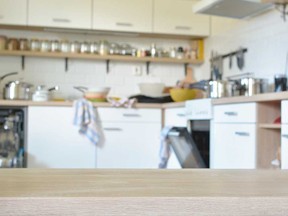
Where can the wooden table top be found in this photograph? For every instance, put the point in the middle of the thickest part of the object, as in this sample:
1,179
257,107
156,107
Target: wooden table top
143,192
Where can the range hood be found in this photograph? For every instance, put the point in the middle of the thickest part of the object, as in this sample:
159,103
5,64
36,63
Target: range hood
238,9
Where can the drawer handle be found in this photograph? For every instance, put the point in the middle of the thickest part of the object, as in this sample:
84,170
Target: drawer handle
285,136
187,28
181,115
124,24
231,113
242,134
131,115
61,20
112,129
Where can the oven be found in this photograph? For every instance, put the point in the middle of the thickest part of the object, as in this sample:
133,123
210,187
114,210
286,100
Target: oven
191,144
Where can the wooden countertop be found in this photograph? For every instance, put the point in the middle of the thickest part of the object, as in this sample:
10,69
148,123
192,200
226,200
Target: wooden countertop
143,192
70,103
278,96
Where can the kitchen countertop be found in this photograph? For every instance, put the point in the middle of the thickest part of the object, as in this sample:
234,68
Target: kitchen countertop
143,192
70,103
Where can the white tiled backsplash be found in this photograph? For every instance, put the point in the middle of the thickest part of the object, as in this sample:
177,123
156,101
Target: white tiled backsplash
265,36
91,73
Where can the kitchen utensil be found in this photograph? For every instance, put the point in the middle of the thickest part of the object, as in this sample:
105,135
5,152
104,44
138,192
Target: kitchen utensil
280,82
240,59
94,94
151,89
217,89
42,94
17,90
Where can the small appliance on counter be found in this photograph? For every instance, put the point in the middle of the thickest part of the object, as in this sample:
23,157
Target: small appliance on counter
43,94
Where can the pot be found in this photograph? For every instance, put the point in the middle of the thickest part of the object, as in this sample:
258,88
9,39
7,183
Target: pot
248,86
42,94
17,90
217,89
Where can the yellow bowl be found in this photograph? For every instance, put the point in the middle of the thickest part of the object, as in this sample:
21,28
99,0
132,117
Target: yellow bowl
179,94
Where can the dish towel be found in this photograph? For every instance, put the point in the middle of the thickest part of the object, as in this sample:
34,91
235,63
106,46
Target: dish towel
165,146
85,119
124,102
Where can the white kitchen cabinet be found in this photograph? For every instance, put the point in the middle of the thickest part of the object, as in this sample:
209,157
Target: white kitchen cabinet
123,15
54,142
284,147
234,136
235,146
13,12
60,13
131,142
177,17
284,135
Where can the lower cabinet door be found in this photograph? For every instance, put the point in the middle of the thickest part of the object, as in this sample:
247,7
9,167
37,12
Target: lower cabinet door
129,145
234,146
284,147
54,142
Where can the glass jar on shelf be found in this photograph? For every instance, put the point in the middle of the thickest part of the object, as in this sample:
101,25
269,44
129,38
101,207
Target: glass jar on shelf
84,47
3,41
75,47
34,45
23,44
93,48
13,44
45,46
64,46
55,46
103,47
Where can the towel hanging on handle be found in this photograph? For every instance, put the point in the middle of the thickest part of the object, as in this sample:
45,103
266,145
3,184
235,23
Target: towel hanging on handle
85,119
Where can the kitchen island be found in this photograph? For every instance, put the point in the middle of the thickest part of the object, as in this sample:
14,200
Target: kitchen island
143,192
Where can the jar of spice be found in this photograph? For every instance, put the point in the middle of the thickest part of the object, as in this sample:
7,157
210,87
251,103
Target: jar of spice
34,45
75,47
13,44
84,47
103,47
55,46
65,46
23,44
45,46
3,41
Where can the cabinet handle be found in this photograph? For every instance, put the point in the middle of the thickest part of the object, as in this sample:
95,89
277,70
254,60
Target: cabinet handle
187,28
112,129
61,20
231,113
131,115
181,115
242,134
285,136
124,24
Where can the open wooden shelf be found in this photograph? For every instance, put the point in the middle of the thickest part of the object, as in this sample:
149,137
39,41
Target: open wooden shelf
106,58
270,126
99,57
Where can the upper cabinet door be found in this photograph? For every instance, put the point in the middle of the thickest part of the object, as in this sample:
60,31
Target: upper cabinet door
123,15
60,13
177,17
13,12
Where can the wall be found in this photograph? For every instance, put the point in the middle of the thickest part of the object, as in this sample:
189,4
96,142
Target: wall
89,73
265,36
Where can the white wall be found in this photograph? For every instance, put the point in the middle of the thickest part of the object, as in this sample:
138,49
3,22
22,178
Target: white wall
90,73
265,36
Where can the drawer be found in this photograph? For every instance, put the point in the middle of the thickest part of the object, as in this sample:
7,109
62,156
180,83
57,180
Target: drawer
128,115
236,113
199,109
284,113
175,117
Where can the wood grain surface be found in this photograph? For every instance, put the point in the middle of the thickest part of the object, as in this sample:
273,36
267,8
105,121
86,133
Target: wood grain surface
143,192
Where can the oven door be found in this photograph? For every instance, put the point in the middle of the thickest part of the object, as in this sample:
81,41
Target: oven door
185,148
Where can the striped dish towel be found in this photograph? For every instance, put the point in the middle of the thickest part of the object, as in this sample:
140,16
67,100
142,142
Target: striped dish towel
85,119
165,150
